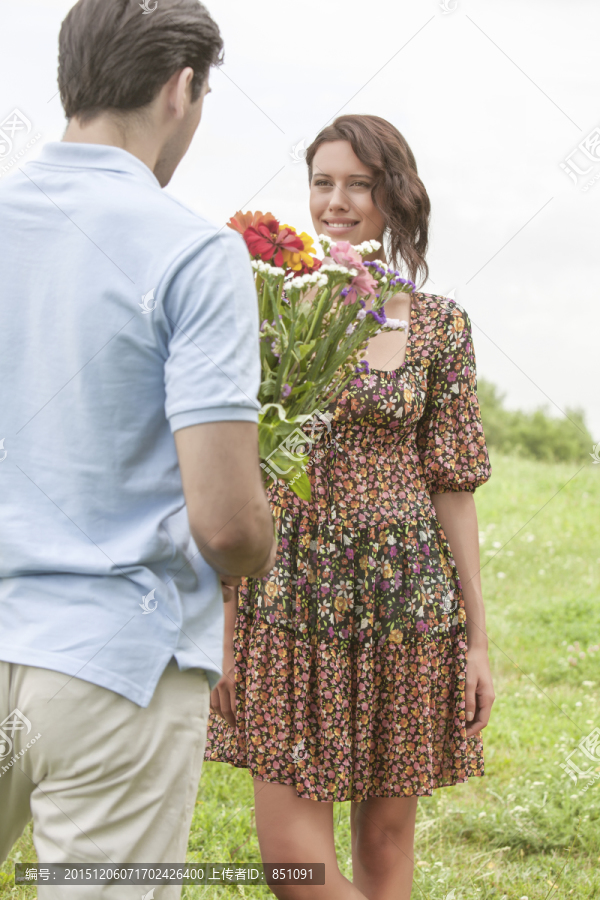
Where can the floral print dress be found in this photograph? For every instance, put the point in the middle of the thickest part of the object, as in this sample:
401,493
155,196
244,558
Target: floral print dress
351,654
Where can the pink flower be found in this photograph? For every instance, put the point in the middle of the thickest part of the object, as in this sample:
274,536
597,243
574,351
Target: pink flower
344,254
363,283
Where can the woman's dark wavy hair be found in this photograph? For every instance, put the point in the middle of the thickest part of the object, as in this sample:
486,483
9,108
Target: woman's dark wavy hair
398,192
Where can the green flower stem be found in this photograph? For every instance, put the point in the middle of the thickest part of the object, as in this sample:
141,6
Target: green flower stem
284,364
316,322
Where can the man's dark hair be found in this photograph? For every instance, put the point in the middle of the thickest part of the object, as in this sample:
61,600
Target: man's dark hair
112,56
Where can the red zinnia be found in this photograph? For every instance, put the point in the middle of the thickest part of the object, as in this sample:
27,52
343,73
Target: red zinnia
262,240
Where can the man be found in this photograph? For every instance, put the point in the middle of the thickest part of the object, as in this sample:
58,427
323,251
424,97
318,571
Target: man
129,481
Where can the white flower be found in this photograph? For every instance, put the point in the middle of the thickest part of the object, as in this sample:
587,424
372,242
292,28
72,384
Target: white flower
397,323
334,267
351,328
366,247
361,314
260,266
301,281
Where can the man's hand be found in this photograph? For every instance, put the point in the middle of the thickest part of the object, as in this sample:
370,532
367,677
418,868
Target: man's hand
479,690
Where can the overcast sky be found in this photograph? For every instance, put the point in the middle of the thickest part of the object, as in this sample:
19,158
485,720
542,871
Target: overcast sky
491,97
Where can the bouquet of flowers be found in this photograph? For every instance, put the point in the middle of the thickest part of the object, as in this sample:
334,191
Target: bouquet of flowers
315,326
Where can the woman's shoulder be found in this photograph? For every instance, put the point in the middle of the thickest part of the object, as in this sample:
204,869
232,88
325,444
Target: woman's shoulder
438,307
441,324
442,318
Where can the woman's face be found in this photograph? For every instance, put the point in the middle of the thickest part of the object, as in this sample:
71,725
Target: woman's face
340,195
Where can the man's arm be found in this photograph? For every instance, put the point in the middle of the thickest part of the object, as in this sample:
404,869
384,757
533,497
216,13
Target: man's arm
228,511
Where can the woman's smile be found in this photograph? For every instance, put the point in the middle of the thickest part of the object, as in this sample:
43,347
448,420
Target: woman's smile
337,226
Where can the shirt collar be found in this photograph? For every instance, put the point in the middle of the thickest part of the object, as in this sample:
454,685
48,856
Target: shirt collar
94,156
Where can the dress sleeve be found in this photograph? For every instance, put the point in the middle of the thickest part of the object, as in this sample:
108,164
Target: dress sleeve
450,437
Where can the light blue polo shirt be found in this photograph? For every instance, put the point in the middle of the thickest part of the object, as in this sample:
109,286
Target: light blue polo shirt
125,317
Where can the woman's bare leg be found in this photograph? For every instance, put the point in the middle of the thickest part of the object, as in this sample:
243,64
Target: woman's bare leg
383,834
295,831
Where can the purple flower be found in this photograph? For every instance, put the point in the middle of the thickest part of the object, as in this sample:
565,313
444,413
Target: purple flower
378,317
451,376
286,391
422,626
362,367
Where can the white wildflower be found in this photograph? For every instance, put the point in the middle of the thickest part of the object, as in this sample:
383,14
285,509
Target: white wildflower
260,266
335,268
299,282
367,247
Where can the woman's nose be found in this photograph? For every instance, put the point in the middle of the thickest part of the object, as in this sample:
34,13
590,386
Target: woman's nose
338,199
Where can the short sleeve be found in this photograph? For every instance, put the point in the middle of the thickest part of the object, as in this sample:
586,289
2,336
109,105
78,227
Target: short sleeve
450,438
212,370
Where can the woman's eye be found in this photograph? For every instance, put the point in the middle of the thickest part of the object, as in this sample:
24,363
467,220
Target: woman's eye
322,182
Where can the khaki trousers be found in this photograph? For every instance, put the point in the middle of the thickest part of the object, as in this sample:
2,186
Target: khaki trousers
104,780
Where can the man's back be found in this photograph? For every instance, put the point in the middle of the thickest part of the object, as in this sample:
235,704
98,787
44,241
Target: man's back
125,317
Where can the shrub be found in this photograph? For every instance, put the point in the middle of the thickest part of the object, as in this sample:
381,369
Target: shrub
536,434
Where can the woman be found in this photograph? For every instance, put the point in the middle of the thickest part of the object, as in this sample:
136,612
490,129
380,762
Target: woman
350,657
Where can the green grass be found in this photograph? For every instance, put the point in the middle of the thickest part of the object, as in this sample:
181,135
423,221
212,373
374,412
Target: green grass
526,826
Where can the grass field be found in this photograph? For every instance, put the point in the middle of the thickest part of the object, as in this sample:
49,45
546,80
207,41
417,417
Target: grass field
525,830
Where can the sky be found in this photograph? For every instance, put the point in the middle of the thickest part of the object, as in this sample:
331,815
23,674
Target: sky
499,103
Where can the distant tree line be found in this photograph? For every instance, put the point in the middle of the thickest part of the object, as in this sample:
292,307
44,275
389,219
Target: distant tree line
535,434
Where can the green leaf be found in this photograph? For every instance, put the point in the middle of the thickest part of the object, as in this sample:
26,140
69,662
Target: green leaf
301,487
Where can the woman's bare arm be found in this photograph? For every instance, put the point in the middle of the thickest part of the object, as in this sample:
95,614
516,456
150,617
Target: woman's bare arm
222,697
458,517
